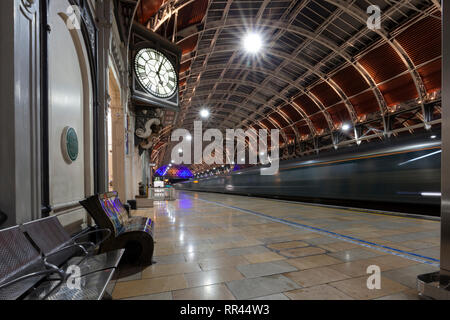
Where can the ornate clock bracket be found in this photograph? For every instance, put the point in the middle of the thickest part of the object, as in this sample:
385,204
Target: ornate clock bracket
149,123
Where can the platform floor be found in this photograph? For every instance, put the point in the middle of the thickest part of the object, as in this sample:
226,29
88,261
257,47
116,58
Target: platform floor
214,246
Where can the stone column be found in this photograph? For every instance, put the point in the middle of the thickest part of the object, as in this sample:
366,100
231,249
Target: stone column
104,17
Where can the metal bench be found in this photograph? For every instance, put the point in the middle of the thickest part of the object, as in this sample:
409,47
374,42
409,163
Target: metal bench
37,259
59,248
134,234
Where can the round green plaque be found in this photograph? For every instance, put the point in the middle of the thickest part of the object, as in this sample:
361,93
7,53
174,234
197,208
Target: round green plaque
70,144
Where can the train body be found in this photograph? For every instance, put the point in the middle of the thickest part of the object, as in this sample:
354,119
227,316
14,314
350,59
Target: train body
386,174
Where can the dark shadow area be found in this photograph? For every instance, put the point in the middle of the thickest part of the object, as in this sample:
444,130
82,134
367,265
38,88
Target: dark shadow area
3,218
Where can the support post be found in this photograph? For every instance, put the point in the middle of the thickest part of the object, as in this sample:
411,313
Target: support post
435,285
104,41
445,170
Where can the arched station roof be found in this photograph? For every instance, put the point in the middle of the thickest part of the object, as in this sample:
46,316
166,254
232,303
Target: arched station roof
320,67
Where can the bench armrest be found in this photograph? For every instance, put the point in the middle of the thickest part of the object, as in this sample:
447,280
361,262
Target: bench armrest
60,272
108,233
84,246
79,245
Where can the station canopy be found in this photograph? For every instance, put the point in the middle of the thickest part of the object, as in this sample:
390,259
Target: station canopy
320,68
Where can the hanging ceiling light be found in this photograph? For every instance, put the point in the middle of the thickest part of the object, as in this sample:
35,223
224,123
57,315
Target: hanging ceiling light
204,113
252,42
345,127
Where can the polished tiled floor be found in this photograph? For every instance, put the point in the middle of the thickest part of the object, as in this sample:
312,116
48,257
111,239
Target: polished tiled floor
213,246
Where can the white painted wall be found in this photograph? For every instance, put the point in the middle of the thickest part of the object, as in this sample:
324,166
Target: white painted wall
70,104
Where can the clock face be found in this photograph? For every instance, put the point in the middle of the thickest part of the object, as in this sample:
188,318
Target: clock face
155,73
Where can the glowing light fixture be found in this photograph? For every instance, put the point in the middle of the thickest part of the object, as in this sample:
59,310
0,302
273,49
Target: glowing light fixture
430,194
252,42
345,127
433,136
204,113
188,137
174,172
421,157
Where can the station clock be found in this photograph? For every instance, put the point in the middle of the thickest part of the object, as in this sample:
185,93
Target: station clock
154,67
155,72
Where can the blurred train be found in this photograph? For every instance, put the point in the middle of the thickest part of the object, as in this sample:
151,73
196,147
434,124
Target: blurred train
394,175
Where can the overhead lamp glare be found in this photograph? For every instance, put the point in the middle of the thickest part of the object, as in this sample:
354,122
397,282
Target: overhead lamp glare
252,42
204,113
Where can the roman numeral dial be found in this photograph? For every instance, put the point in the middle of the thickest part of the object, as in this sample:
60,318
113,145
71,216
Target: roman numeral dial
155,73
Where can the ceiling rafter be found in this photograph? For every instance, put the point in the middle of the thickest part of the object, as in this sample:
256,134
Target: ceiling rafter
319,39
279,69
279,33
268,90
360,15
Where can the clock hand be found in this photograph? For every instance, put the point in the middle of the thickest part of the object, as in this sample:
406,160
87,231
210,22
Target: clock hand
160,66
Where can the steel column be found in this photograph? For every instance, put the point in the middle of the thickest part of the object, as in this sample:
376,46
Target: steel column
445,170
426,282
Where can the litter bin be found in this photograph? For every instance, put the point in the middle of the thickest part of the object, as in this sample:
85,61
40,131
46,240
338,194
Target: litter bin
127,207
132,204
